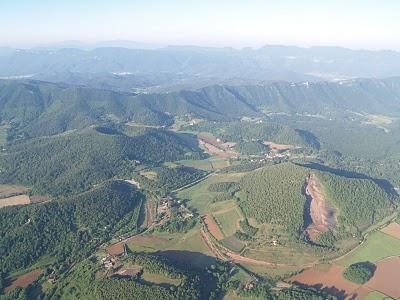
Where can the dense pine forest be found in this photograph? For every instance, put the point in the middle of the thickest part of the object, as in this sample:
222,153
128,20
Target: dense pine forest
67,229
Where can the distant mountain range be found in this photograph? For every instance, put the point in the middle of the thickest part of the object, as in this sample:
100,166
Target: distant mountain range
267,63
38,108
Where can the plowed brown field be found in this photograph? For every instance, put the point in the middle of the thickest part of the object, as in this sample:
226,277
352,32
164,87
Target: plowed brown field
330,280
213,228
387,277
393,230
116,249
24,280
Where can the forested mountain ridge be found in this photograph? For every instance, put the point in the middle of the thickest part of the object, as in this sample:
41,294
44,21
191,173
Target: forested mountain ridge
36,108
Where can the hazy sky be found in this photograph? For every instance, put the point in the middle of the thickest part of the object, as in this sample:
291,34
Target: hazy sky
373,24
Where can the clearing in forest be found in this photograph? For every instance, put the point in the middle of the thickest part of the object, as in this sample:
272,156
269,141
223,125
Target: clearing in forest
160,279
15,200
116,249
323,216
279,147
216,147
12,190
24,280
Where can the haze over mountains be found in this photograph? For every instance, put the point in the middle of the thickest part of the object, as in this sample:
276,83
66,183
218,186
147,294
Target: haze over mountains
266,63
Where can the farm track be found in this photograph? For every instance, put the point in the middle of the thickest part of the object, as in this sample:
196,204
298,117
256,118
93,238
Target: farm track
223,253
149,212
192,183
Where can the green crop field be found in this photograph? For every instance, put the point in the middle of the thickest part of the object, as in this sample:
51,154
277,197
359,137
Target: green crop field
228,221
207,164
233,244
200,197
377,296
188,244
377,246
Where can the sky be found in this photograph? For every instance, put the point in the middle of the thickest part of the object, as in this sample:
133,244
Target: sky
369,24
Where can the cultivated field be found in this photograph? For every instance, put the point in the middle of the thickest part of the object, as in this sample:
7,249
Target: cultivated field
377,296
279,147
12,190
213,227
11,195
188,247
16,200
377,246
393,230
384,282
201,199
228,218
216,147
209,164
330,280
116,249
387,277
160,279
24,280
380,248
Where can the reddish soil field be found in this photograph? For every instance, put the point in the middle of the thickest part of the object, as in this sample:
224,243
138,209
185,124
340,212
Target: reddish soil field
116,249
387,277
213,227
274,146
219,149
12,190
15,200
331,281
209,140
393,230
38,199
24,280
149,212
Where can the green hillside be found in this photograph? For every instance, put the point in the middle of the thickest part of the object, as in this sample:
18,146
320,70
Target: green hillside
250,131
275,195
37,108
73,162
67,229
361,202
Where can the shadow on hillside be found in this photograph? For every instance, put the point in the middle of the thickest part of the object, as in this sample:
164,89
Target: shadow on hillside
187,259
382,183
339,294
